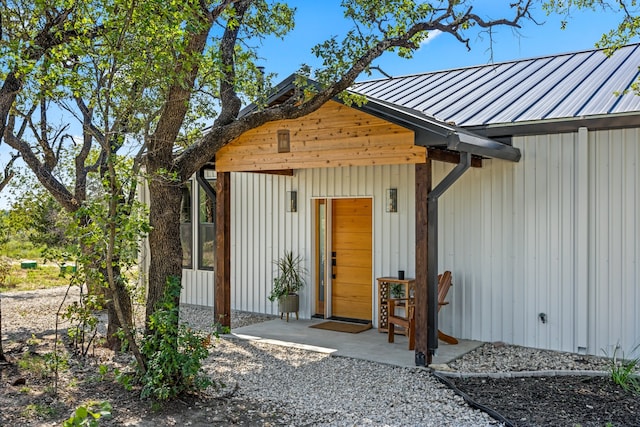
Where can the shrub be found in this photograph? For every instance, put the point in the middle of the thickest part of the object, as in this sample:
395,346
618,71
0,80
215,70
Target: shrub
5,268
174,352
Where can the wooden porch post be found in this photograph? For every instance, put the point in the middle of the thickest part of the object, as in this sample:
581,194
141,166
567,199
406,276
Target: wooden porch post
423,188
222,293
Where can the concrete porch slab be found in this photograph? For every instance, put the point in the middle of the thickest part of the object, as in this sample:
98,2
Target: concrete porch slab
368,345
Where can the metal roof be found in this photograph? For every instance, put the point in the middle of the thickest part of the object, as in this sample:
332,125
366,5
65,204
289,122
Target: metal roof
550,88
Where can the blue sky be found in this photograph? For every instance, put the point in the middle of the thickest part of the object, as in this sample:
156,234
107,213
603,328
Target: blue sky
317,20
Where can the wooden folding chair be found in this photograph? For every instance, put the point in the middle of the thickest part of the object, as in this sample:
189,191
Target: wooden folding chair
407,322
444,283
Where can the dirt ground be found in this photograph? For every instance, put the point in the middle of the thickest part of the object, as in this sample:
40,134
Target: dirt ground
27,396
556,401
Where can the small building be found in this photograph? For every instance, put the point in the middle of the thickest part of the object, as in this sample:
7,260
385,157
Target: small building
537,167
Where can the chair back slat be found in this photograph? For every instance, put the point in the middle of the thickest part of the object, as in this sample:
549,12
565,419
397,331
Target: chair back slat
444,283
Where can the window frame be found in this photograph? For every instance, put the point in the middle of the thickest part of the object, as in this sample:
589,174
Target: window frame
202,227
187,224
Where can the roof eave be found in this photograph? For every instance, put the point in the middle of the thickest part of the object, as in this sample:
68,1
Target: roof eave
432,133
478,145
559,125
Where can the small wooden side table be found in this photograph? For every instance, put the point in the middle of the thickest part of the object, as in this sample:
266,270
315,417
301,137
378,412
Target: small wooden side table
384,286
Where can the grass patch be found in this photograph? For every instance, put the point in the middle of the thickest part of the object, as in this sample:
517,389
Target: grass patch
42,277
34,364
19,249
624,372
39,411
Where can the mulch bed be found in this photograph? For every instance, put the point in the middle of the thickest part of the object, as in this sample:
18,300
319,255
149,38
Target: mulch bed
556,401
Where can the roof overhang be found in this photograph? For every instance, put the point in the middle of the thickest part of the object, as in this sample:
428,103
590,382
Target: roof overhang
433,133
429,132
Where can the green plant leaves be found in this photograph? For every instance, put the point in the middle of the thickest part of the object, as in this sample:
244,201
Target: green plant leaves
174,352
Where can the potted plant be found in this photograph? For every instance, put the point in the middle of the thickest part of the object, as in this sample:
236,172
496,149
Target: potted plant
288,282
396,290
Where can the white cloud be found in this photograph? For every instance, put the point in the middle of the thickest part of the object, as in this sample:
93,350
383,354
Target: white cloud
432,35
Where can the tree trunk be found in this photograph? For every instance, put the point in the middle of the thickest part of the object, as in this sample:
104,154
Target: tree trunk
114,325
2,357
164,238
105,296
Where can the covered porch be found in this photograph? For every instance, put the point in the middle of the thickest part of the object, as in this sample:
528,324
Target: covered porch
340,136
369,345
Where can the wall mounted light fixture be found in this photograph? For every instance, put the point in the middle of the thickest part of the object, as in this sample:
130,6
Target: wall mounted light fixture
392,200
292,201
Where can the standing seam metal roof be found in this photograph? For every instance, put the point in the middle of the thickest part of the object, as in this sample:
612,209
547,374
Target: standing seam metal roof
564,86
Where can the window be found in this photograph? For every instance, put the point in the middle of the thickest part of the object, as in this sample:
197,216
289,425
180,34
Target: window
186,229
206,228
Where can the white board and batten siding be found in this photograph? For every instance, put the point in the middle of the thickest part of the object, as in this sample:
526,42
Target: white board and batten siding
262,230
557,234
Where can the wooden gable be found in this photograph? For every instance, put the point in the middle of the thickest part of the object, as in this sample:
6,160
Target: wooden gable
333,136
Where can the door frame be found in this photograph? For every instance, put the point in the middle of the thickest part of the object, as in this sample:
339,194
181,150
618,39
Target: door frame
328,245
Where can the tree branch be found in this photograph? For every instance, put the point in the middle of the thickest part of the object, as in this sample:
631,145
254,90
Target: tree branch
46,178
229,100
223,132
8,171
52,34
176,105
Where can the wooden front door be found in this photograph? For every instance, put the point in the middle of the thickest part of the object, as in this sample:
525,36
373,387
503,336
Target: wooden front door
351,253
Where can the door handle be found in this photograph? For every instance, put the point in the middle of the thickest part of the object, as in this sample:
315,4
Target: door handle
333,265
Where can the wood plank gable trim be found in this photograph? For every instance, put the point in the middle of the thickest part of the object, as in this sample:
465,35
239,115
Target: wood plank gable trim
333,136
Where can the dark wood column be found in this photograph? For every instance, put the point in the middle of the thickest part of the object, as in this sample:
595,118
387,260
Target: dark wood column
423,188
222,294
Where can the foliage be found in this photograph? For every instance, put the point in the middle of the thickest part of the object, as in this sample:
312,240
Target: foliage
625,32
290,276
42,277
174,352
5,269
18,247
85,61
126,379
89,415
396,290
624,372
83,323
131,224
38,365
5,228
41,218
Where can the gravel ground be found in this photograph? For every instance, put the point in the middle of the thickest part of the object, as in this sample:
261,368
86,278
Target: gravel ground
285,386
307,388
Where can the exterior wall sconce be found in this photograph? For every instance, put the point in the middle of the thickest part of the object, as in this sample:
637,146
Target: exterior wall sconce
292,201
392,200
